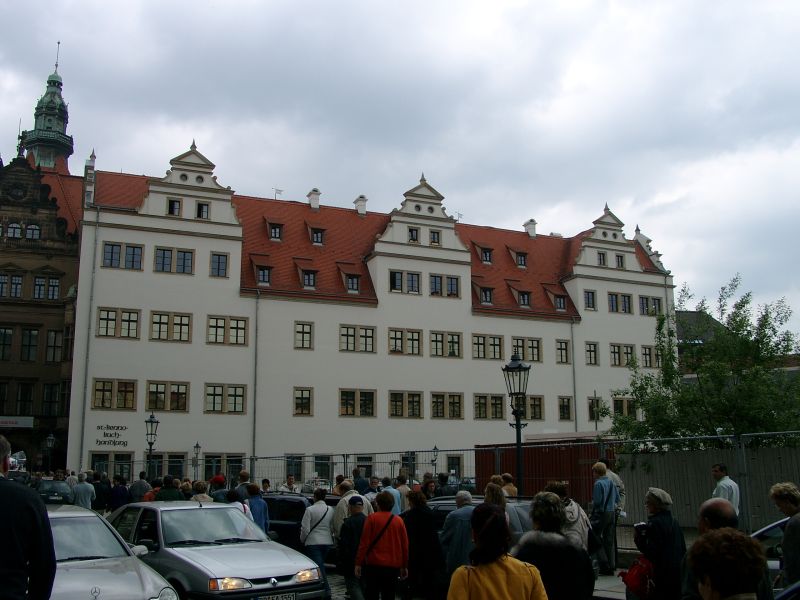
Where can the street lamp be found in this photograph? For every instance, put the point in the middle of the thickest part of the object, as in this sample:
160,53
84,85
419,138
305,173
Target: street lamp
435,458
196,458
516,374
50,441
151,428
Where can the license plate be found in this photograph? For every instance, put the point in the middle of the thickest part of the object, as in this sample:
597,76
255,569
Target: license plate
55,497
286,596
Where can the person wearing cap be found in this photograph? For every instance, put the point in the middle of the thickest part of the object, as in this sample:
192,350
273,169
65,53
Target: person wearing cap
661,541
350,537
341,511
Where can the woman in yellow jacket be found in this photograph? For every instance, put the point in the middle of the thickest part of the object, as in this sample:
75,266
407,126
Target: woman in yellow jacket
494,574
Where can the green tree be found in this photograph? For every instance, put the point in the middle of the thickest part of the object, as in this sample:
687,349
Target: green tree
726,374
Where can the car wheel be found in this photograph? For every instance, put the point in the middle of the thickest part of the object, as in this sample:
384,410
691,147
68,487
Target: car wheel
179,590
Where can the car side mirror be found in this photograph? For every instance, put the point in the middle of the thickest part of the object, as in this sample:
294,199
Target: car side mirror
149,545
140,550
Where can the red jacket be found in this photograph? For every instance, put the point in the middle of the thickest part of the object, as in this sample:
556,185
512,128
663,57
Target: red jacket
392,548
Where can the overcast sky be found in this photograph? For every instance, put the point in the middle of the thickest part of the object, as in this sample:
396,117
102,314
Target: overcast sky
684,117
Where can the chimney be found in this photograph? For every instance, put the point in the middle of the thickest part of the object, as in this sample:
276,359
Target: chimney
313,198
361,204
88,181
530,227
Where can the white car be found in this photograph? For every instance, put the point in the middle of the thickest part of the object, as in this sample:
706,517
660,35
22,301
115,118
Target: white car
93,561
212,550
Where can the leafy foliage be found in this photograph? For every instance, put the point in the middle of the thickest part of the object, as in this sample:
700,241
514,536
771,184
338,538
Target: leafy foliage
724,376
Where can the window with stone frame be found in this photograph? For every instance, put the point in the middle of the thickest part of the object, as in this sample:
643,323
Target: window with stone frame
303,401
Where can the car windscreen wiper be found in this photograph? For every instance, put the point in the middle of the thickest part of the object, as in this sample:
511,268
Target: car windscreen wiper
81,558
193,543
234,540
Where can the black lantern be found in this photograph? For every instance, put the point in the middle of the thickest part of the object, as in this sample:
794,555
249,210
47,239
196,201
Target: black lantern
49,442
196,458
516,375
151,433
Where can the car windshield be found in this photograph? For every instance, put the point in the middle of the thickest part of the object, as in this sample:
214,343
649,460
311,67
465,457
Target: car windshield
53,486
208,526
84,538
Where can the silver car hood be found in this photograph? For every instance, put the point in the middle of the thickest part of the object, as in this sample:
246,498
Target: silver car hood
250,560
107,578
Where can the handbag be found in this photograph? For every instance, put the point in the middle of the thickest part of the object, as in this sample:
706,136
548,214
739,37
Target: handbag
639,578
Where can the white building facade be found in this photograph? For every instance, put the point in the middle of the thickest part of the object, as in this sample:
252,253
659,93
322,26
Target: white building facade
267,328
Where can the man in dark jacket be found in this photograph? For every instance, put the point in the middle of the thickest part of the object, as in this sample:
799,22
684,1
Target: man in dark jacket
168,491
661,541
27,558
349,539
456,536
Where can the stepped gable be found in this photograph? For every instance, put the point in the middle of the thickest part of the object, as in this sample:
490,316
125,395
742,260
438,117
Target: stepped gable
549,258
348,240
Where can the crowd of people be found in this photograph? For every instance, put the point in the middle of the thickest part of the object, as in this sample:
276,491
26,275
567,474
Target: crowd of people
388,542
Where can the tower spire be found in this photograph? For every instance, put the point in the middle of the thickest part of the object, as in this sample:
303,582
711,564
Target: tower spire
58,51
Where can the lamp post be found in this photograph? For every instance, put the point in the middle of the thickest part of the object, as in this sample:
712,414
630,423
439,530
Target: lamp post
516,375
196,458
50,441
435,459
151,429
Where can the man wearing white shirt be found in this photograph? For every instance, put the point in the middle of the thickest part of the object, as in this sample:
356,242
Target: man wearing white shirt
316,533
726,487
289,486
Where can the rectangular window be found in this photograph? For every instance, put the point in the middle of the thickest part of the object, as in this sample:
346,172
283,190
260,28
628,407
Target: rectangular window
489,407
302,402
275,231
620,261
455,406
522,260
309,279
616,355
601,259
524,298
352,282
628,352
453,287
437,406
3,285
156,396
625,304
495,347
129,324
38,288
227,330
564,408
613,303
117,322
114,394
591,353
594,408
163,260
562,352
528,349
16,286
395,281
356,403
111,254
167,326
201,211
497,407
30,344
657,306
486,295
133,257
436,285
178,396
54,347
405,341
481,407
317,236
174,207
6,335
589,300
561,302
405,405
478,346
644,305
446,343
219,265
24,399
412,283
225,398
647,356
624,406
436,237
413,235
53,288
184,260
107,322
263,274
303,335
50,400
536,408
356,338
486,255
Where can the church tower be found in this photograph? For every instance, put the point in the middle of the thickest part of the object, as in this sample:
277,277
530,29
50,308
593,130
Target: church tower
48,142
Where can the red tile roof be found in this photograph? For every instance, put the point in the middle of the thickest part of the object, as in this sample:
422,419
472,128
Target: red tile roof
349,239
68,192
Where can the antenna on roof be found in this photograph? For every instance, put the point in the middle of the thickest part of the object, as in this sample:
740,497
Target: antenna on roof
278,192
58,51
458,216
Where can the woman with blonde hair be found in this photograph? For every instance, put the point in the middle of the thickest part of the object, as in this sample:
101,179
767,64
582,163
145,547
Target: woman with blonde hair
786,497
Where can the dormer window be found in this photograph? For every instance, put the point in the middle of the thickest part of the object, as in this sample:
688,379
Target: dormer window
522,259
486,255
486,295
413,235
352,282
173,207
202,210
525,299
275,231
264,275
309,279
436,237
561,302
317,236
